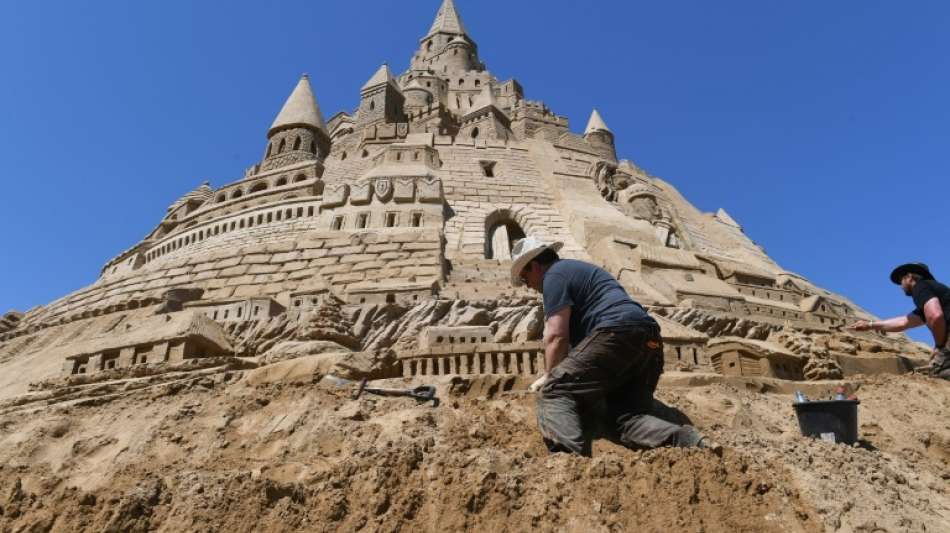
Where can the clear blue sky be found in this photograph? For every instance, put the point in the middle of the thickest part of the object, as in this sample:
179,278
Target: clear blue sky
822,127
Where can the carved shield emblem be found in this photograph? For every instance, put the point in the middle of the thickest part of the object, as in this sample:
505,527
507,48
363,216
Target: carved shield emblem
384,188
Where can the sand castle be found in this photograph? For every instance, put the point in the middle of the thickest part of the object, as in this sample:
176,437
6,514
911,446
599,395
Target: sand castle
401,214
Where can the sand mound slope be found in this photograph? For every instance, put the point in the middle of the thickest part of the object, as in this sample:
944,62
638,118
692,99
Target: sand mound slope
224,452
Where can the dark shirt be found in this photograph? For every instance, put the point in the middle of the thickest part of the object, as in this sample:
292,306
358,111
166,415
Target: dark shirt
924,290
596,299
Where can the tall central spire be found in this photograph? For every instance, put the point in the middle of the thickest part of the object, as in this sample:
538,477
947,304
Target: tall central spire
447,20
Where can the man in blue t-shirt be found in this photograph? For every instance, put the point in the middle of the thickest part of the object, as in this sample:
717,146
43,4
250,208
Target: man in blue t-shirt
931,307
598,345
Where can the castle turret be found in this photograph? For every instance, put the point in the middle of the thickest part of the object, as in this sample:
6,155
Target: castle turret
459,56
381,100
298,133
417,96
447,48
599,136
484,119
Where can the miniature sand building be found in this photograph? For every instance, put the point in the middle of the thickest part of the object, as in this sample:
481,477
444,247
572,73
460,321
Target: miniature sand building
417,195
160,339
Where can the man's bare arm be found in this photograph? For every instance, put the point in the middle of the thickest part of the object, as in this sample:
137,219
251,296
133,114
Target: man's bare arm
557,331
936,321
891,325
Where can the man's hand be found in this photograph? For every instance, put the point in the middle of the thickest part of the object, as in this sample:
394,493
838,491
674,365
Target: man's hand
861,325
536,386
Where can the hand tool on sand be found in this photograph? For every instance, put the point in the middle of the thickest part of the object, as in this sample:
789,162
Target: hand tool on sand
422,394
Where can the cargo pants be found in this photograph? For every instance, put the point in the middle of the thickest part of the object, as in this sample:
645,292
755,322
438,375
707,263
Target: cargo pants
940,366
622,368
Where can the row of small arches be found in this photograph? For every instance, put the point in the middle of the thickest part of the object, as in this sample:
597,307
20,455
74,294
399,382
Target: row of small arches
461,82
229,226
282,146
260,186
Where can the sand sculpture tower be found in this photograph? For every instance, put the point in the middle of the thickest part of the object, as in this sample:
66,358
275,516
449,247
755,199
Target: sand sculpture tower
298,133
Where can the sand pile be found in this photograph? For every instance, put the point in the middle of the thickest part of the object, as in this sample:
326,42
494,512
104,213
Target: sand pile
266,450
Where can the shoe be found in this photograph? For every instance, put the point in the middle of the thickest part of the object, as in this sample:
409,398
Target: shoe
708,444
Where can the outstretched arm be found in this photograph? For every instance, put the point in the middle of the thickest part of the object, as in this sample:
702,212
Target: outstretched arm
891,325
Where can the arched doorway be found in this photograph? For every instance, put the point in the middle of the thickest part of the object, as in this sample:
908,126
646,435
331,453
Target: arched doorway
501,237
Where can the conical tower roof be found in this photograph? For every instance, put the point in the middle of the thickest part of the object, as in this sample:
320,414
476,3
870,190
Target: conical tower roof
382,75
300,108
447,20
596,123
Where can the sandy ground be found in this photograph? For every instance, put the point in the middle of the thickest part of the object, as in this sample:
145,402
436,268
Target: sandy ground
274,449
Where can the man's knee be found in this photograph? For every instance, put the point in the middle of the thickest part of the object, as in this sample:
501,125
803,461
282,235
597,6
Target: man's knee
560,425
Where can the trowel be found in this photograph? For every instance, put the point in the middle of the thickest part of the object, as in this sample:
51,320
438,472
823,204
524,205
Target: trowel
422,393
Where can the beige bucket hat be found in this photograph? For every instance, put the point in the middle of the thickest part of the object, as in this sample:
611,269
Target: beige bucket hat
524,251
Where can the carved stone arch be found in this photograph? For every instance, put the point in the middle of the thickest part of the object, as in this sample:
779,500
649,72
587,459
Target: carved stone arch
502,228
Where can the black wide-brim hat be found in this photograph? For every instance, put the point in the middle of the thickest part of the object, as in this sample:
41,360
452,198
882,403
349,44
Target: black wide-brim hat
914,268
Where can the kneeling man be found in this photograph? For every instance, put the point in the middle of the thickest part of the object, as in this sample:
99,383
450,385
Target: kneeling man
598,345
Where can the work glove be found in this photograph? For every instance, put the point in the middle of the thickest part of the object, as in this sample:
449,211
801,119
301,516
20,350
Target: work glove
536,386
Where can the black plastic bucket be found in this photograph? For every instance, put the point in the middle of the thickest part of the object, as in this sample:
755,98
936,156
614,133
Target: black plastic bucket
829,420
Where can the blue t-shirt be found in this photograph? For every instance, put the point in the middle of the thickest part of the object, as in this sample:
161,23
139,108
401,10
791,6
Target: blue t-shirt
596,299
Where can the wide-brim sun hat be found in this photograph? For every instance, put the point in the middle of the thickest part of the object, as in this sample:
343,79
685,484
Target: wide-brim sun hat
914,268
524,251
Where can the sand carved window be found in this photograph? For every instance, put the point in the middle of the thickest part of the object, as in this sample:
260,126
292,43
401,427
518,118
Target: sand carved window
283,144
362,220
281,182
300,177
297,143
391,219
258,187
337,223
417,220
488,168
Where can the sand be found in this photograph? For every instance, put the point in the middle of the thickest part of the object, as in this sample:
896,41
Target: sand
277,450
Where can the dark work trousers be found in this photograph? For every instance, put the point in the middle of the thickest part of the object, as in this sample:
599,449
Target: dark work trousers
941,363
620,367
